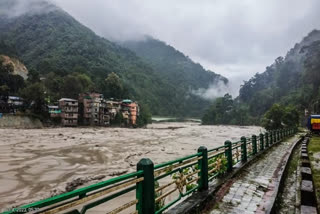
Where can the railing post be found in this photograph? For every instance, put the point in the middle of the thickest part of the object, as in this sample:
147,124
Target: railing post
254,144
244,156
267,139
228,154
270,138
261,142
278,135
203,182
145,189
274,137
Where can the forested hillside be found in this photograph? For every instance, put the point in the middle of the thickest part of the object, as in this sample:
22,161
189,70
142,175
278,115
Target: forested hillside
178,70
68,54
173,65
293,80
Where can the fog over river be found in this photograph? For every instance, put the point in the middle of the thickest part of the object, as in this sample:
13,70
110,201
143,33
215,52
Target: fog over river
38,163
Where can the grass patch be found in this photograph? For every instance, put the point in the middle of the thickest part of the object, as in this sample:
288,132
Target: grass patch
314,147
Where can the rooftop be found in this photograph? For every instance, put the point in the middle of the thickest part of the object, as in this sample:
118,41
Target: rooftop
68,99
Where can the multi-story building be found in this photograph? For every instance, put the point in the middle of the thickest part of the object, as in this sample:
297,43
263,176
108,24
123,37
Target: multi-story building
91,109
113,108
130,111
85,109
104,114
69,112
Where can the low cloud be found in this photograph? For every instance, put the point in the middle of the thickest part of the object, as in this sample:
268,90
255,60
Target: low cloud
214,91
15,8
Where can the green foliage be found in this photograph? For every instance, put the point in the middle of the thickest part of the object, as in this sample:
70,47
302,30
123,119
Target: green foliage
227,111
181,75
159,204
279,116
222,165
74,84
113,87
185,172
144,116
34,96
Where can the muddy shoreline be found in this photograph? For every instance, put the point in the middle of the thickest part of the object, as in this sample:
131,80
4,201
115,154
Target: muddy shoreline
39,163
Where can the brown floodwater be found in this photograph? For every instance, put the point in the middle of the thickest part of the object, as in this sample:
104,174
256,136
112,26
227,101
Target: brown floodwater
38,163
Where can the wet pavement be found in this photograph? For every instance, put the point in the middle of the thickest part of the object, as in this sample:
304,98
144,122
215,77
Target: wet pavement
251,190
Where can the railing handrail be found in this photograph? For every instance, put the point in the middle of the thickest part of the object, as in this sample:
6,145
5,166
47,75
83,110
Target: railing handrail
158,166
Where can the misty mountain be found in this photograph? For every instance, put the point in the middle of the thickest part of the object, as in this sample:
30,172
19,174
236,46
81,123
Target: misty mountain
290,80
48,40
172,65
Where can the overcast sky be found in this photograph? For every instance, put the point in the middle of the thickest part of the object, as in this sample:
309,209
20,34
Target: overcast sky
234,38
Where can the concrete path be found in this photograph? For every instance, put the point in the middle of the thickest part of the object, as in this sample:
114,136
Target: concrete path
253,187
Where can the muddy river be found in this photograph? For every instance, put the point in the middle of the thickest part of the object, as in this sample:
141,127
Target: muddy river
38,163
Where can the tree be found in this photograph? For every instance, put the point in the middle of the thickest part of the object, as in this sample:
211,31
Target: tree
12,83
220,111
33,76
4,93
144,117
273,117
279,116
34,97
312,65
291,117
113,86
74,84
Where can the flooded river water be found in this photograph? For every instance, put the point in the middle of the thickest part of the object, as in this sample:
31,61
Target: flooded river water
38,163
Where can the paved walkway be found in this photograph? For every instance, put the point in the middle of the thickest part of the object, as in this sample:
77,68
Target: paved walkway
249,193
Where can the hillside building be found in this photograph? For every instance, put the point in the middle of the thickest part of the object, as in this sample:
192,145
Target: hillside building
54,111
69,112
93,110
130,111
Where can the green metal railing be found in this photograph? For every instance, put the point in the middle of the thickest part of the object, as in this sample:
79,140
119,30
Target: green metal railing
154,189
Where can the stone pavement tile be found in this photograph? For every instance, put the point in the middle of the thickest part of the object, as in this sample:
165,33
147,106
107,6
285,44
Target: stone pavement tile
306,170
306,186
235,201
308,210
227,199
252,207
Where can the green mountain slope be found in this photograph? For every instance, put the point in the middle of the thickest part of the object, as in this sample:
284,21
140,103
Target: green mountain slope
173,65
51,40
287,80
